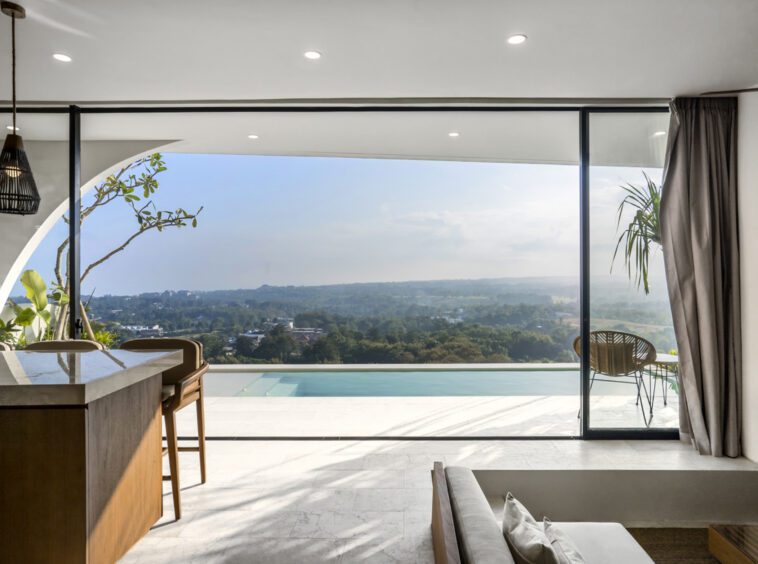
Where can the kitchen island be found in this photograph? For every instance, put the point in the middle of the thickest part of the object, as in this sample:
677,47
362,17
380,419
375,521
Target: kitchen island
80,453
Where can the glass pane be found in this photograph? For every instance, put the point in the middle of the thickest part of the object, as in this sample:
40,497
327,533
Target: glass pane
450,261
633,356
45,138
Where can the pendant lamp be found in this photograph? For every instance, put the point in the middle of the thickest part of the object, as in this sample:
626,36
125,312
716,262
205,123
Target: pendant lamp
18,191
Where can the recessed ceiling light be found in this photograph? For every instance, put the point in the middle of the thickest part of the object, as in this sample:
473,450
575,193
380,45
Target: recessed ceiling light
11,128
453,134
61,57
517,39
312,55
252,136
659,134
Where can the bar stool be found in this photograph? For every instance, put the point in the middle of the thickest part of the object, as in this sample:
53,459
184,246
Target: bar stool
5,347
182,386
72,345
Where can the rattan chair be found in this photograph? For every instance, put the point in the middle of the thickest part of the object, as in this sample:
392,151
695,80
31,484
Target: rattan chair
182,386
71,345
617,355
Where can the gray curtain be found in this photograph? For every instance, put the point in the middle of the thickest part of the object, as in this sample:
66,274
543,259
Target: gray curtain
701,252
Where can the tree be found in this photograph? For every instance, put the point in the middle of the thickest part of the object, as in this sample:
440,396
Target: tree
213,345
325,350
277,345
245,346
133,185
528,346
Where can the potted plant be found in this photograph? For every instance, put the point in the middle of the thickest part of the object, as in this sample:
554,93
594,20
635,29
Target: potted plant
643,234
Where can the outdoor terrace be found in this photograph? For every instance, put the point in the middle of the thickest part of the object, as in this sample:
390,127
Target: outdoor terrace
467,410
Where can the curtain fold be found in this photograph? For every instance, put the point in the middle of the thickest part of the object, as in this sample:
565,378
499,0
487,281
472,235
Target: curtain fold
699,222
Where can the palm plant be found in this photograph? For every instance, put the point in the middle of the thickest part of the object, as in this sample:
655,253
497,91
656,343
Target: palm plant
643,232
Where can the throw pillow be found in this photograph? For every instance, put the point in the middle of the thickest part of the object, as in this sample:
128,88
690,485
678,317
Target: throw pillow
525,537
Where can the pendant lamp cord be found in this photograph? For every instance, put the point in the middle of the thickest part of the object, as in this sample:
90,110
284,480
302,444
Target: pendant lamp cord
13,67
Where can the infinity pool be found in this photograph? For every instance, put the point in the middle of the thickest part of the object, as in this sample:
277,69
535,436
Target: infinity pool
422,384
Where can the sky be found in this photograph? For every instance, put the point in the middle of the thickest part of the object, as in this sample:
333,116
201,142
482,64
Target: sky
313,220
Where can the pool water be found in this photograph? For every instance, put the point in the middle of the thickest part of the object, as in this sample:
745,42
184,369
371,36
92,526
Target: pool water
387,384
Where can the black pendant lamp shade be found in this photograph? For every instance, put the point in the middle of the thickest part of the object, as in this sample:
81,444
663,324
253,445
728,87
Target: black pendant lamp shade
18,191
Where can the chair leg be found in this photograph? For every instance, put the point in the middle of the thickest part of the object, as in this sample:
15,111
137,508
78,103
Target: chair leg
664,385
173,461
653,381
647,394
201,435
592,381
649,419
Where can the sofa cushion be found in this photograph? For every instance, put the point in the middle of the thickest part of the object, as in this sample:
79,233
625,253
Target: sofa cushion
479,536
601,543
565,549
524,535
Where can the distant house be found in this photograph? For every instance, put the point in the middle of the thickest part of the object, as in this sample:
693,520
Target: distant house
256,335
144,330
286,322
307,335
304,335
452,320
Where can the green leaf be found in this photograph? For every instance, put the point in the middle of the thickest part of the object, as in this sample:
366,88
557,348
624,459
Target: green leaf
36,290
59,295
26,317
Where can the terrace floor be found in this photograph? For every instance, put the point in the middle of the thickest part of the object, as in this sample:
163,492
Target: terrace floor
466,416
353,501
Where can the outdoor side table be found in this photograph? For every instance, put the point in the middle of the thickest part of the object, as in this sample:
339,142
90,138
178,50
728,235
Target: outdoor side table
664,367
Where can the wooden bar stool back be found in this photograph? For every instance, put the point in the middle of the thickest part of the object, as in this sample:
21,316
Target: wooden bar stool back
182,386
71,345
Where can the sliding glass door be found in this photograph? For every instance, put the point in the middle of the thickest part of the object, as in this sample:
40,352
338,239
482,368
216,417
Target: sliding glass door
631,373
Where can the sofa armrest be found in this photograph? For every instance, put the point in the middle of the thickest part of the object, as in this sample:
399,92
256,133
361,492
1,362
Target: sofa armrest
480,538
443,527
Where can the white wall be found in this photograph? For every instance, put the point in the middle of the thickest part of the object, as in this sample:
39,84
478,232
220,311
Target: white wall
20,235
748,201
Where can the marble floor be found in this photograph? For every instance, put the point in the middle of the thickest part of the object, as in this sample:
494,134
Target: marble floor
461,416
352,501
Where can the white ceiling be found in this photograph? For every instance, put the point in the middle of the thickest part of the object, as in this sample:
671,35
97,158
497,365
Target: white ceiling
178,50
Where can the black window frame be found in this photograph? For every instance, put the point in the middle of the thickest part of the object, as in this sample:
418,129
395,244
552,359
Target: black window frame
584,113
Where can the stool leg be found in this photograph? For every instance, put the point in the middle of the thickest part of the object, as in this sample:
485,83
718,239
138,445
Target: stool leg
201,435
173,461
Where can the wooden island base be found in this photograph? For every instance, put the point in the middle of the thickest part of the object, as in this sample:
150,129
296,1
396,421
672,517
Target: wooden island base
82,483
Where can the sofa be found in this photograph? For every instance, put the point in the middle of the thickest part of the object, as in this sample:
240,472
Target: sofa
465,529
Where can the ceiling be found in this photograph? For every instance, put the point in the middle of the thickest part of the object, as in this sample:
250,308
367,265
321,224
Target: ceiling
185,50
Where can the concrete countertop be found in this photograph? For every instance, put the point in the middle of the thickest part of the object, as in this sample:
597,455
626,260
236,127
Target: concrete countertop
30,378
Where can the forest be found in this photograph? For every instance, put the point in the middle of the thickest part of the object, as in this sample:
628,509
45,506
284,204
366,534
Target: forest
504,320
